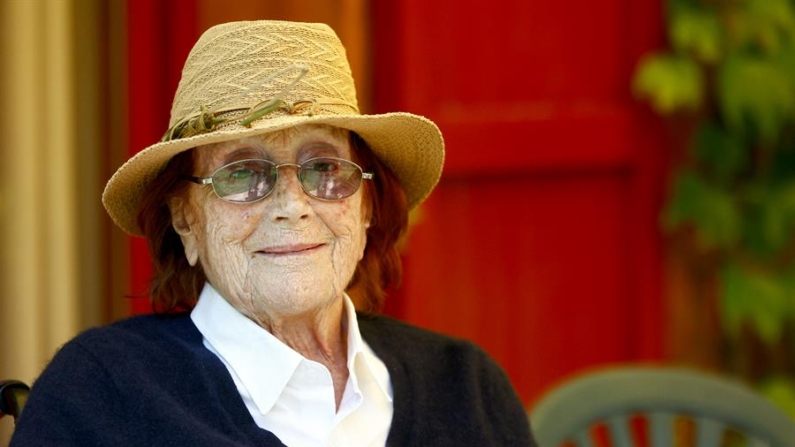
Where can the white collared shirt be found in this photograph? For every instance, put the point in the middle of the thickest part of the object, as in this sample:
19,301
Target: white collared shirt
290,395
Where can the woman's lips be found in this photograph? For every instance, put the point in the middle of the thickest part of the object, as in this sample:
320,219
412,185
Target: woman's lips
291,249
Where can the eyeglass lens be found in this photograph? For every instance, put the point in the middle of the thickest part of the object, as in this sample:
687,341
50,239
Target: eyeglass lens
325,178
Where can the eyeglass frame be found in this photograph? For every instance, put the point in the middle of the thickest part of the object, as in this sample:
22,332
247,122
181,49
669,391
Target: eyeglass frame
277,168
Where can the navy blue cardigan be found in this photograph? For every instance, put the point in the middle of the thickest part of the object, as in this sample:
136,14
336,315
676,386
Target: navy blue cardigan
150,381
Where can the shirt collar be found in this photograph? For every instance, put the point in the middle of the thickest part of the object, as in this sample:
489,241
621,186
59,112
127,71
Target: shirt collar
360,354
263,363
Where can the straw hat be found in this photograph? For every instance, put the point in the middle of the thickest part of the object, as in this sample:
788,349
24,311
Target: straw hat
249,78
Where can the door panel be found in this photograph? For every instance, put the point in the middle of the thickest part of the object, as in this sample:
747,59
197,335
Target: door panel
541,241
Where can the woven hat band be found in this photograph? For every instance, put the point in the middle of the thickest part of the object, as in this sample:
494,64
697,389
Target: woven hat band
237,67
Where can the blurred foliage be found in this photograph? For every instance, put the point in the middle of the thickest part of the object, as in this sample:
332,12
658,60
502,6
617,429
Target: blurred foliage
730,68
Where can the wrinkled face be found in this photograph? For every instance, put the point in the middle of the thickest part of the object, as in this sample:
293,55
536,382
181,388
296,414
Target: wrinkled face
287,254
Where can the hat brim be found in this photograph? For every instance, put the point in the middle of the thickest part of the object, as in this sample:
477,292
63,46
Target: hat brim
410,145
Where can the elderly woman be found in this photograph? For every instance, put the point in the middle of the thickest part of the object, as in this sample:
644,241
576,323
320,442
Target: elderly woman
268,198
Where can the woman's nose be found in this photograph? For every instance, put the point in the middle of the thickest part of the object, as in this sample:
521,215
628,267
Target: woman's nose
288,199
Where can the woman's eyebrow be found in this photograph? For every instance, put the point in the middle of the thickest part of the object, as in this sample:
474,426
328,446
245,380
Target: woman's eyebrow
244,151
323,146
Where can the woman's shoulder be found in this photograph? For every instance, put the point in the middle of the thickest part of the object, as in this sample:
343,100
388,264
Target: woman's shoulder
148,326
138,333
139,346
388,335
381,326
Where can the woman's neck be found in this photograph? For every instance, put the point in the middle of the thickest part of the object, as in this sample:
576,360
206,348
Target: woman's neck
320,336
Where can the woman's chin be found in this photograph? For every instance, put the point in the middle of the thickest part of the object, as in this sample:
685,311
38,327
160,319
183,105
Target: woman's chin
289,298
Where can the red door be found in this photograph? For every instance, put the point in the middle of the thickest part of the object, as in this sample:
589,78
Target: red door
541,241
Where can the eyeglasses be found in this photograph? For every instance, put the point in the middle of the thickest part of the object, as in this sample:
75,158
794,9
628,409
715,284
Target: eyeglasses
324,178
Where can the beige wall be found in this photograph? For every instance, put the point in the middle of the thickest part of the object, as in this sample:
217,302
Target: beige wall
39,291
55,125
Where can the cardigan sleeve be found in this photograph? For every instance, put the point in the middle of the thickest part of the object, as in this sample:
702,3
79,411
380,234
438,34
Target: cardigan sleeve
73,403
501,406
447,391
484,406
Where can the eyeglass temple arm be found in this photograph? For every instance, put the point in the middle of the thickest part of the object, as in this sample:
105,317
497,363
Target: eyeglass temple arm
200,180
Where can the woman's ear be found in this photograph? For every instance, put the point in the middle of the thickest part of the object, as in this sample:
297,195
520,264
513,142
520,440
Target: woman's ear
181,220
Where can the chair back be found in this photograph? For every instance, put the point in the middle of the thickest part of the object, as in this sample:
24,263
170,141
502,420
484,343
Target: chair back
657,407
13,395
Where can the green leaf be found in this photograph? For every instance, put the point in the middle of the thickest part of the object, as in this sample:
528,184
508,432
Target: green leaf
774,16
785,198
734,303
722,155
774,226
781,391
779,212
758,298
669,82
784,61
782,163
698,32
755,92
769,217
752,196
711,210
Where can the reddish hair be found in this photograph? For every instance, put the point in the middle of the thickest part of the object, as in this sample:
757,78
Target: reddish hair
380,266
176,284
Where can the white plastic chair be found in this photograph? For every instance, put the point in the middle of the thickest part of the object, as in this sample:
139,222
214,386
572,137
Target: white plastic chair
660,395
